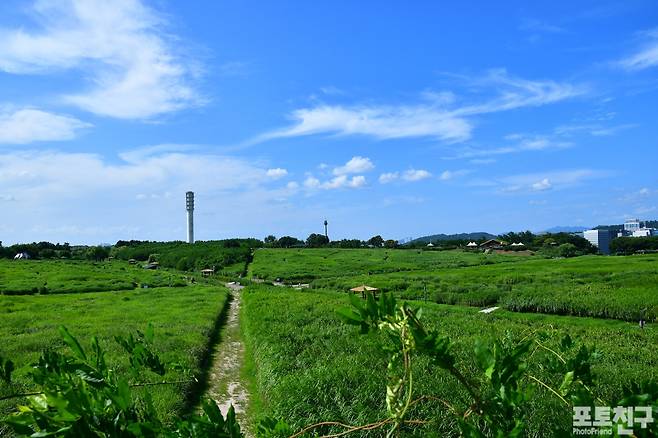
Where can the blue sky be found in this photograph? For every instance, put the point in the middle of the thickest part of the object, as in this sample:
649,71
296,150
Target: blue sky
385,118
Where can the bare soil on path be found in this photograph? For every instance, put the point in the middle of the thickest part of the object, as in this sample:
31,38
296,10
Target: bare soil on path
225,387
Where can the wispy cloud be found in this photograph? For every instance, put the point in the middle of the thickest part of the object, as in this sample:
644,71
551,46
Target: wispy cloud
416,175
355,165
38,175
519,143
381,122
74,192
645,57
22,126
515,92
551,180
447,175
596,130
540,186
562,137
276,173
121,46
410,175
337,182
388,177
439,117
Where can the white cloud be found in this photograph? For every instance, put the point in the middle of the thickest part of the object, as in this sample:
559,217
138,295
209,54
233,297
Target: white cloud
355,165
311,183
388,177
416,175
24,126
451,174
138,155
544,184
43,175
596,130
522,143
440,119
121,46
514,93
338,182
276,173
639,195
559,179
55,194
343,181
381,122
645,57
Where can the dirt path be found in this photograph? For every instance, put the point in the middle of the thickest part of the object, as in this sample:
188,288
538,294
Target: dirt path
227,357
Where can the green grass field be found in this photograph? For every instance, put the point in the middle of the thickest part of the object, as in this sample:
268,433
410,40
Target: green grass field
311,264
305,365
184,319
605,287
311,367
23,277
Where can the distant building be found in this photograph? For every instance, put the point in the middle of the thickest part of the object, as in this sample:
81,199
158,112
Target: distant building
472,245
430,245
599,238
22,256
645,232
631,225
492,244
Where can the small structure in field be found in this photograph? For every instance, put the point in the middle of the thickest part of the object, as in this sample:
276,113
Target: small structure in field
430,245
492,244
22,256
154,265
363,289
472,245
132,262
207,272
518,245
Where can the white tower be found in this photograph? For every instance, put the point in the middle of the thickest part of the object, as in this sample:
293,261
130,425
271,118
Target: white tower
189,206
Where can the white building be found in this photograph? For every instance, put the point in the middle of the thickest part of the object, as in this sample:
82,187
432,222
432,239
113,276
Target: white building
645,232
599,238
631,226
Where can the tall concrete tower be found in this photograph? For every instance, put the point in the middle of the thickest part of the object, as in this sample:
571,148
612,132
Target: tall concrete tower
189,206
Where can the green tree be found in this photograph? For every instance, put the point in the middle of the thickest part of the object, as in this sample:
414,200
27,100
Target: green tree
270,240
288,241
390,243
567,250
315,240
97,253
376,241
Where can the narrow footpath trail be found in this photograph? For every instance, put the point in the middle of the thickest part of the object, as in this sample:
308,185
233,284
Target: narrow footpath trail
224,382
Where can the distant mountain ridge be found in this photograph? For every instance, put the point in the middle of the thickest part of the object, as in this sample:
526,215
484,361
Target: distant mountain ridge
565,229
461,236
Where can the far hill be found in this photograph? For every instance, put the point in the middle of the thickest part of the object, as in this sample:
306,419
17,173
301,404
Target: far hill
462,236
566,229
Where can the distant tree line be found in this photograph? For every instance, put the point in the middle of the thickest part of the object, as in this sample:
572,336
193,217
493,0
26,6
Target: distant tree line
548,244
47,250
315,240
183,256
632,245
